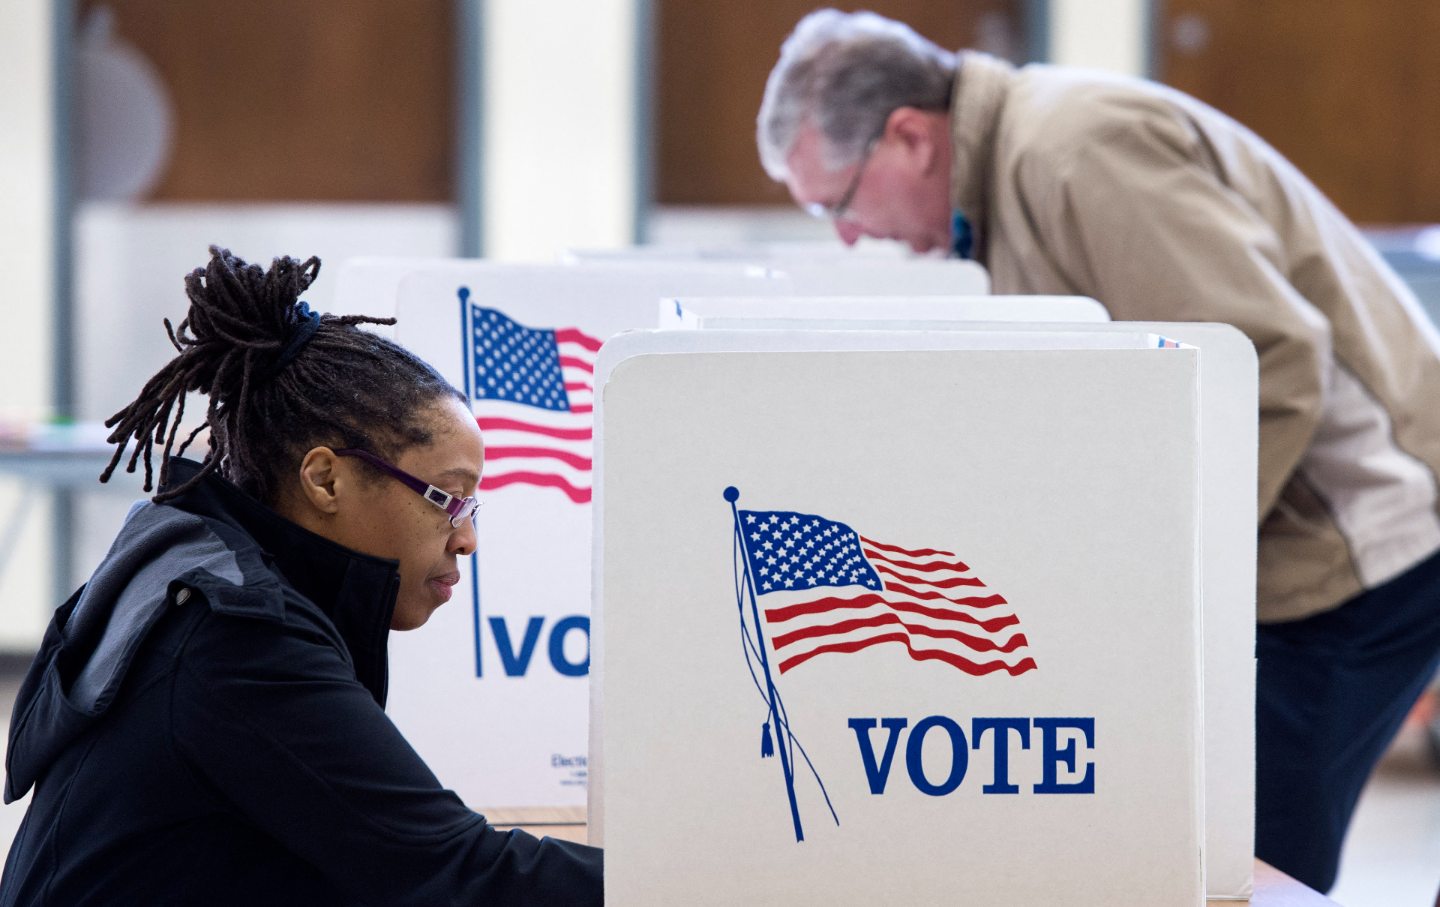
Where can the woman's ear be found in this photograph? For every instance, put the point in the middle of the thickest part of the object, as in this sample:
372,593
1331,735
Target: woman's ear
320,480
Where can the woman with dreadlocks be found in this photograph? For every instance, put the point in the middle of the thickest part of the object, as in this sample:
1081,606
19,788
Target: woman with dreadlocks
203,723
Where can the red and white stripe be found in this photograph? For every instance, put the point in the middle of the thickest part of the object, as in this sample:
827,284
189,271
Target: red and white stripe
526,445
931,603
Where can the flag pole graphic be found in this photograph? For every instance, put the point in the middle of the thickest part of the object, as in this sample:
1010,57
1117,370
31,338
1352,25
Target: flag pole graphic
732,494
467,341
467,362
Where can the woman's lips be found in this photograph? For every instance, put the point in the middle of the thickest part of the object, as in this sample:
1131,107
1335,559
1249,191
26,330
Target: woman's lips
443,585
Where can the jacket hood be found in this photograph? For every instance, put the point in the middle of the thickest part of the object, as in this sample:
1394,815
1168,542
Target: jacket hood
214,542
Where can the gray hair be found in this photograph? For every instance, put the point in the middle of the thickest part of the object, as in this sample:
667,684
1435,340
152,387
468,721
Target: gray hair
846,73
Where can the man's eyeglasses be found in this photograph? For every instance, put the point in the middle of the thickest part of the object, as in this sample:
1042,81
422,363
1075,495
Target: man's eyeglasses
459,509
841,208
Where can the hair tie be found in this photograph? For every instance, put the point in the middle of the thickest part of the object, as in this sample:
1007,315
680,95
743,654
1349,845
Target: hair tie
302,333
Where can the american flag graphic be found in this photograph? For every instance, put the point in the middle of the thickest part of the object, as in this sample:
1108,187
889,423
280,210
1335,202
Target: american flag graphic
532,391
822,587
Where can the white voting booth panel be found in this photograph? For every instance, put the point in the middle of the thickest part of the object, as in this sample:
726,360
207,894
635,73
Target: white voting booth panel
493,692
1229,418
1230,443
873,312
759,252
370,285
824,268
858,632
878,277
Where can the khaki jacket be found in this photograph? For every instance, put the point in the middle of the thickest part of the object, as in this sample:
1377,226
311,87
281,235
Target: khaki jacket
1165,209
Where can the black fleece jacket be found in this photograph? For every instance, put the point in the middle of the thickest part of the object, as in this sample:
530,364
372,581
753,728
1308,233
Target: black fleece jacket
204,724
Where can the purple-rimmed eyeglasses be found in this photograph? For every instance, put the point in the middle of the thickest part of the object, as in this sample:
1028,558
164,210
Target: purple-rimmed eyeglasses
460,509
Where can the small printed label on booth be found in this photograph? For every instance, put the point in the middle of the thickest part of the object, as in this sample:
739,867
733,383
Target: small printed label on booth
571,771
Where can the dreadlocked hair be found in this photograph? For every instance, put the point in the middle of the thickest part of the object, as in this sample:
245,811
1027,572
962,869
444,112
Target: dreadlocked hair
345,387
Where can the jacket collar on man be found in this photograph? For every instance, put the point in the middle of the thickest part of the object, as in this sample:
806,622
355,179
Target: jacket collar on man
981,86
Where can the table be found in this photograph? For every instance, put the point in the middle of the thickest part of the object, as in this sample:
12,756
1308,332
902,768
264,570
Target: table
59,461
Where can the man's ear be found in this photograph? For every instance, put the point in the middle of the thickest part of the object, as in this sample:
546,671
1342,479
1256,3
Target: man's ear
913,132
320,480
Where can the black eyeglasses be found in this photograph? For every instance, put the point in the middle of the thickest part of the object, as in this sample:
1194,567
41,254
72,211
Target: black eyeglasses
459,509
840,210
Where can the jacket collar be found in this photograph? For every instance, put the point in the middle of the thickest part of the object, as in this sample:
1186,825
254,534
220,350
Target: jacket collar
981,86
356,591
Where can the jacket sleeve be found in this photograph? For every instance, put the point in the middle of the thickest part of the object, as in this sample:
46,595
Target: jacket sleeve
271,717
1135,217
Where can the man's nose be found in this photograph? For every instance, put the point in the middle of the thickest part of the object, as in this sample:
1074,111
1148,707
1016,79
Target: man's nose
848,232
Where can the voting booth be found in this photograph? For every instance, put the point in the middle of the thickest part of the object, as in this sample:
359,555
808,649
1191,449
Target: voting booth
511,650
1230,443
906,616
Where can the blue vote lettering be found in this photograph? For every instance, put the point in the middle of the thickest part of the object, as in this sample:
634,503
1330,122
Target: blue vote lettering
557,646
1000,784
959,754
877,774
1053,755
515,659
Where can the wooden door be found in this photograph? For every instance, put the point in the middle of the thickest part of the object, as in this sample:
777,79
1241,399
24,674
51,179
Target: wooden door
1348,90
712,59
324,100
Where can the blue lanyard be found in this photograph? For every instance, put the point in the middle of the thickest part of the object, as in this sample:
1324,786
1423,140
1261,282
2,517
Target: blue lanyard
962,238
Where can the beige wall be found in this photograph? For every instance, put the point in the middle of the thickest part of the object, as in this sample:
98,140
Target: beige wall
1101,34
559,136
25,222
26,249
